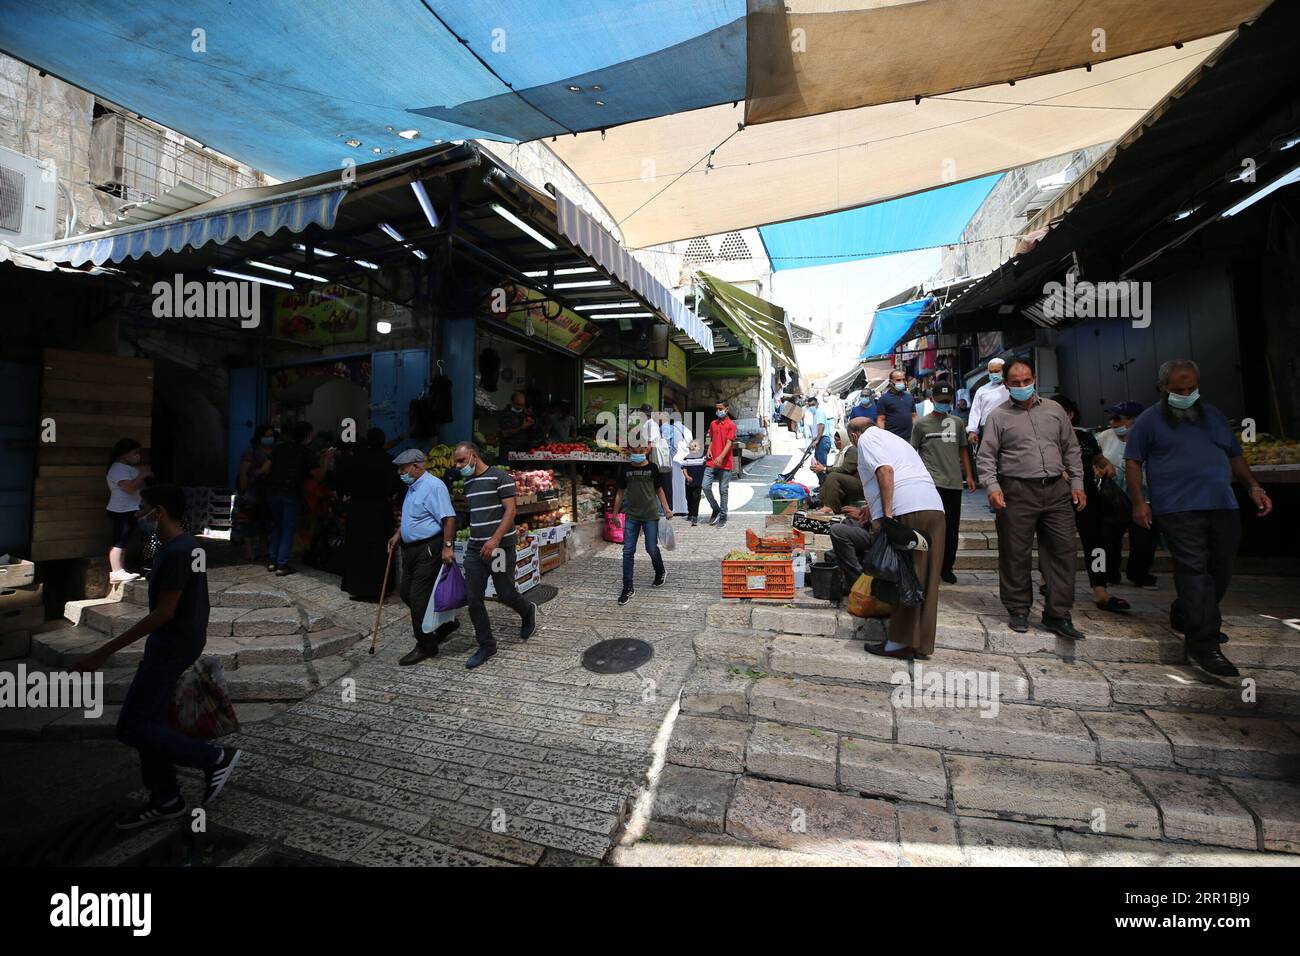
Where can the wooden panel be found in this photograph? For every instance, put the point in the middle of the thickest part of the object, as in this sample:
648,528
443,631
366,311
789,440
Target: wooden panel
94,400
56,388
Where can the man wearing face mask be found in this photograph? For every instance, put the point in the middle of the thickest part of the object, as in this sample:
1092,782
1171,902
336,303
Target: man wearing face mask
937,439
1192,457
896,409
517,428
426,537
1142,542
642,502
491,548
1028,449
987,398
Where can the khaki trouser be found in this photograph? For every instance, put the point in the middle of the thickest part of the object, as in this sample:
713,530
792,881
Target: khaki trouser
914,626
1046,511
841,489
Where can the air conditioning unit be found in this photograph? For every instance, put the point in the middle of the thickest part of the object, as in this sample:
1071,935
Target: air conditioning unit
28,199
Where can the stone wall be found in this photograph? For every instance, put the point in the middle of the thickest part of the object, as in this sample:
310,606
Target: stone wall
744,394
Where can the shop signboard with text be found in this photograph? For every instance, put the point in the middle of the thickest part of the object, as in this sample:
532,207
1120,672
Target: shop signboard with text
323,315
530,312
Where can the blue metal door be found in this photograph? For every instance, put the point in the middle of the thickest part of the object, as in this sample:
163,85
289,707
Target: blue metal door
396,378
247,401
18,425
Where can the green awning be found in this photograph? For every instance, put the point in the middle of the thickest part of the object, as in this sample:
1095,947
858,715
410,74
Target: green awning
751,319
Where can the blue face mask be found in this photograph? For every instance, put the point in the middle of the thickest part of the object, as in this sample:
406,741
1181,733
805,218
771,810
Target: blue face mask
995,378
1121,430
900,386
149,524
268,440
639,459
721,413
407,478
1022,394
1184,401
467,471
943,408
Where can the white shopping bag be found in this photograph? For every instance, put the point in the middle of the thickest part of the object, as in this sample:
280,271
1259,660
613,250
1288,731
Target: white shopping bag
667,539
435,619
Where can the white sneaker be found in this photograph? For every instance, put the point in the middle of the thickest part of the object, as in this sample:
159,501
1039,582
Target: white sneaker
122,577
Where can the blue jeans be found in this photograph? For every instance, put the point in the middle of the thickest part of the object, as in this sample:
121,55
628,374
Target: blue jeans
631,530
823,449
723,477
145,724
284,525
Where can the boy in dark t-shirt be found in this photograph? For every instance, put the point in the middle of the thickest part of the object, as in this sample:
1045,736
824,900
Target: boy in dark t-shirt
642,501
176,626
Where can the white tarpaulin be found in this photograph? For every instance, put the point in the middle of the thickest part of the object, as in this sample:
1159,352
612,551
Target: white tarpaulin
696,173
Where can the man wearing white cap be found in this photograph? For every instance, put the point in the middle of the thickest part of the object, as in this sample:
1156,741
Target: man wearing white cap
426,537
987,398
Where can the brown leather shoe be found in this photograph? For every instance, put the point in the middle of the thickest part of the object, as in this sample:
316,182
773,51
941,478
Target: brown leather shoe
903,653
417,654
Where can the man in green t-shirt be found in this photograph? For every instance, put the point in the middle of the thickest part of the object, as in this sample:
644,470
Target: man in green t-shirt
939,439
642,502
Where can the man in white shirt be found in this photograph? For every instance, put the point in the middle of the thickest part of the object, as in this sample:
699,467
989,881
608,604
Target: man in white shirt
897,486
987,398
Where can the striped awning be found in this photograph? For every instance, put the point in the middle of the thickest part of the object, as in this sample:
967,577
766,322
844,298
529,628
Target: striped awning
200,226
595,240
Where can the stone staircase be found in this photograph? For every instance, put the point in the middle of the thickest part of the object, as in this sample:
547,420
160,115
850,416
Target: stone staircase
793,746
275,646
977,548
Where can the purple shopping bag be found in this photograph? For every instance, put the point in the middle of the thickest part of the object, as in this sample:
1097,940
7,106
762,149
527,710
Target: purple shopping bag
449,593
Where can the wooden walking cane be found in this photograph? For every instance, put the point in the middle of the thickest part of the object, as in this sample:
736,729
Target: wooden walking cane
383,591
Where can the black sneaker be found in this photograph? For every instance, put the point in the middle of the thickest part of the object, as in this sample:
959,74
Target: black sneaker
713,519
480,657
1062,627
417,654
1213,663
695,522
1018,623
217,777
626,596
659,579
947,577
529,624
151,813
284,570
722,522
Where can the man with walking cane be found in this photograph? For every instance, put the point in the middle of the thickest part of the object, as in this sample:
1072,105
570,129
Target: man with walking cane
425,536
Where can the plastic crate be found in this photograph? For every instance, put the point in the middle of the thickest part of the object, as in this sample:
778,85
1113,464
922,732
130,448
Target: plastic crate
763,580
782,506
774,542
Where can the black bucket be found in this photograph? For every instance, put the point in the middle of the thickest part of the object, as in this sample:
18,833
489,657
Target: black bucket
827,581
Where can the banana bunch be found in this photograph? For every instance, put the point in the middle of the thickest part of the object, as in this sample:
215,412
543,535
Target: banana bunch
439,459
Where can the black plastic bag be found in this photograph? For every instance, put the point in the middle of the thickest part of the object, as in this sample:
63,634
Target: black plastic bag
883,561
910,592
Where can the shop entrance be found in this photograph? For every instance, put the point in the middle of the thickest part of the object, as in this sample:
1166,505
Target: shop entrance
327,394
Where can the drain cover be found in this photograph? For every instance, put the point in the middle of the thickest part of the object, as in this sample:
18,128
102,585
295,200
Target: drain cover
542,593
617,656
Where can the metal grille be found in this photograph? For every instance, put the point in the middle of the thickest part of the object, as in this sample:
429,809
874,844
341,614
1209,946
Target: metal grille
734,248
698,250
12,186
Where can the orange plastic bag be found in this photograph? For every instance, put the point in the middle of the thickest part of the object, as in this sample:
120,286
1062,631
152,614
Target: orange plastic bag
863,604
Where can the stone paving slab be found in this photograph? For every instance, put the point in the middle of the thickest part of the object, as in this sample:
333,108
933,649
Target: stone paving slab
835,707
1231,744
798,656
1198,809
1128,738
1016,730
693,798
710,743
797,754
823,823
1276,804
898,772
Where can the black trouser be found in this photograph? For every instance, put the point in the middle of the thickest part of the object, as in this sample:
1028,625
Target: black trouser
145,724
501,567
421,561
1202,544
1141,551
1095,533
850,541
951,498
693,499
1035,507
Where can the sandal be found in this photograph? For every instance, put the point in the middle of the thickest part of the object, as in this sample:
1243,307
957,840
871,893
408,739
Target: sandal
1114,604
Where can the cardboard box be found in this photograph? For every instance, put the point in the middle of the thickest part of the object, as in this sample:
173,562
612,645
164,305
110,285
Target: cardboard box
792,411
29,596
21,618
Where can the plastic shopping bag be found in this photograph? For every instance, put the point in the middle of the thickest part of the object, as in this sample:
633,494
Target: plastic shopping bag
863,603
667,539
883,561
200,705
614,528
433,618
449,592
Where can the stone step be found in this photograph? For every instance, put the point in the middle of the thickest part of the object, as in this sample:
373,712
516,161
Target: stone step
136,592
113,618
969,559
798,656
991,727
74,612
1181,686
1235,745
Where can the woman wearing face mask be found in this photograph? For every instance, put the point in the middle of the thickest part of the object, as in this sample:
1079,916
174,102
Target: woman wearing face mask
125,478
642,501
249,526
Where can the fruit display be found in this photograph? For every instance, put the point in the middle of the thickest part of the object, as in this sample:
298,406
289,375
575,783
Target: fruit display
439,458
1266,450
581,449
532,482
739,554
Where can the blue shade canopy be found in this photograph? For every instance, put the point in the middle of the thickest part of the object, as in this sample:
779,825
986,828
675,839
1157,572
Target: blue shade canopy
284,85
935,217
890,325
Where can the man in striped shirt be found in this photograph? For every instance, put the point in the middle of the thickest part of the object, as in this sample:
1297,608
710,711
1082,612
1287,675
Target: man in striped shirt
490,493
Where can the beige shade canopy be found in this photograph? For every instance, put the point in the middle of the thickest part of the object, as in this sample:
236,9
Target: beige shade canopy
698,173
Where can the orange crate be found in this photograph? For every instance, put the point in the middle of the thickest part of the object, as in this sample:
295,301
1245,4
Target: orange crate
770,580
774,542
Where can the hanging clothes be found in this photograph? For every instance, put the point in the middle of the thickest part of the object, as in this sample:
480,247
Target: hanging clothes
489,367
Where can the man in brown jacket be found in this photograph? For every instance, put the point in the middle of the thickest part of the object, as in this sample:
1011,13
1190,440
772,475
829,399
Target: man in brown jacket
1029,460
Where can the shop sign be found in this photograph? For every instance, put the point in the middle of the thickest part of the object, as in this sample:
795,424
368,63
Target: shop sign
532,313
322,315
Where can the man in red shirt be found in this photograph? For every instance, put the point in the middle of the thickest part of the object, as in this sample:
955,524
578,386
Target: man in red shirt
717,465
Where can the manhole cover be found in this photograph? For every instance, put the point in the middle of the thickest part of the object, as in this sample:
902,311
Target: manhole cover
617,656
542,593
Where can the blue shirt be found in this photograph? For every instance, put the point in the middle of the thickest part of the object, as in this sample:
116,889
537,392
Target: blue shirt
425,506
863,411
1187,464
897,407
819,418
